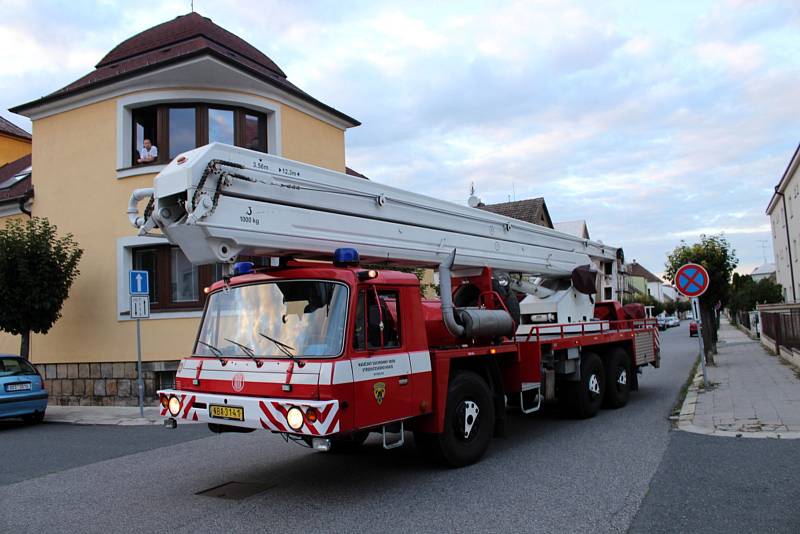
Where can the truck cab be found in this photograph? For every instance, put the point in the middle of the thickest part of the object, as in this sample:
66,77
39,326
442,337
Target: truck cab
309,349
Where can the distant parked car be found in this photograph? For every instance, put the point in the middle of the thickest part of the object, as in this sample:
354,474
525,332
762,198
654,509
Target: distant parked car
692,329
662,322
22,391
673,321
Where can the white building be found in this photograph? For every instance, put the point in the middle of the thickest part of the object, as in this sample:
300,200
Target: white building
608,278
784,214
763,271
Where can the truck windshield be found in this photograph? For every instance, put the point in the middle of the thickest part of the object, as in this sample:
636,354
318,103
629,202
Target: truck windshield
306,317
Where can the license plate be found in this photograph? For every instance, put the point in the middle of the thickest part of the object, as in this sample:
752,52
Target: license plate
18,387
235,413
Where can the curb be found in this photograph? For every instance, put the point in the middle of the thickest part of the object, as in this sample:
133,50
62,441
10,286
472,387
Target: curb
686,419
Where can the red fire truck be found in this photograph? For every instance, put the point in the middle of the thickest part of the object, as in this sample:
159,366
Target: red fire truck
321,340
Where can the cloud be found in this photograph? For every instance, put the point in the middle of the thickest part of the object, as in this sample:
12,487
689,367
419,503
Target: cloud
655,123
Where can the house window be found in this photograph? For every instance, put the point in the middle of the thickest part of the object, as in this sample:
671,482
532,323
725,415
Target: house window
184,278
182,130
175,284
176,128
607,293
220,126
145,126
607,268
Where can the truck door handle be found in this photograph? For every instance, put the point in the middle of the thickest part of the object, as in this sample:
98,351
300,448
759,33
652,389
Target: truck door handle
403,380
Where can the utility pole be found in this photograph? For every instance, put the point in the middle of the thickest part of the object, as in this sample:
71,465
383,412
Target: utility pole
764,248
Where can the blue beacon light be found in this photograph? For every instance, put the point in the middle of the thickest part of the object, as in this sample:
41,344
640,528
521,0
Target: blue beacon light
242,267
345,256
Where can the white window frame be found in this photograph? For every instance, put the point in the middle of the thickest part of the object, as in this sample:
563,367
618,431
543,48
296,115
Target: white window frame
125,247
126,105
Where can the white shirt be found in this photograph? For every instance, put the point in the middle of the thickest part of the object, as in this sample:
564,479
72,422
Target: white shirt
152,153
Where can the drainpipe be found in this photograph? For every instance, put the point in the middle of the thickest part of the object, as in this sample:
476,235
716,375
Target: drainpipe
22,207
788,244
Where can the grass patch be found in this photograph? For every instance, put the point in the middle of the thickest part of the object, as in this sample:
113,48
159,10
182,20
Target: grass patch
676,408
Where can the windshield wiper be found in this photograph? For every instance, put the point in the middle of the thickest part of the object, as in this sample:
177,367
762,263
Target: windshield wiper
214,350
247,350
284,348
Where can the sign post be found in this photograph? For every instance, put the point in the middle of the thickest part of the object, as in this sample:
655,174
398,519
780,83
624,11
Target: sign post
139,289
692,281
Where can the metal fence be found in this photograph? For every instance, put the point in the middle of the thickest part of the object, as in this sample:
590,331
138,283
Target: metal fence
743,318
782,326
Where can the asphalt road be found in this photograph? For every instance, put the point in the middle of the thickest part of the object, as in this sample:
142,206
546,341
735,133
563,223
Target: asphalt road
548,475
717,484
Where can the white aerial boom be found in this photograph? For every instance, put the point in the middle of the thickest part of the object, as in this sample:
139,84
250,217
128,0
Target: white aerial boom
219,201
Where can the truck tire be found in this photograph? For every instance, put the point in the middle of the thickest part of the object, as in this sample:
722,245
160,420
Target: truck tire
350,443
585,396
468,420
618,378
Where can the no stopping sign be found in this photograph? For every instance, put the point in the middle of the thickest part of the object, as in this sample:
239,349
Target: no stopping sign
692,280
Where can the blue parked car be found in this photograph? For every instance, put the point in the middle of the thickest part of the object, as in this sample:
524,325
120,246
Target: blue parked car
22,392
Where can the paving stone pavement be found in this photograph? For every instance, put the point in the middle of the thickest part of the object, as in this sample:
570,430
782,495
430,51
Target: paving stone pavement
752,393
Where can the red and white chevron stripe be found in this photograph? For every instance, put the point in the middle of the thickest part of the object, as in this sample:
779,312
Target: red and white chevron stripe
260,413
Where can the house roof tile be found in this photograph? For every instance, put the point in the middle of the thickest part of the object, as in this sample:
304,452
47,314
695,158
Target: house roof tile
636,269
20,188
9,128
529,210
178,40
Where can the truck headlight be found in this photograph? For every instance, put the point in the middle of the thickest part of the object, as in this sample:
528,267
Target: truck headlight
295,418
174,405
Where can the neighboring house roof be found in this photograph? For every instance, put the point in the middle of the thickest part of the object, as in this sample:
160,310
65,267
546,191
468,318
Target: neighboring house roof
9,128
576,228
178,40
357,174
15,179
634,269
532,210
764,270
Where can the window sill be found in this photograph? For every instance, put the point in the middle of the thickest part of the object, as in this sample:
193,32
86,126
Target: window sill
125,316
139,170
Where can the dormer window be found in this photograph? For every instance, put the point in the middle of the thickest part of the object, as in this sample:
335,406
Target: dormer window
176,128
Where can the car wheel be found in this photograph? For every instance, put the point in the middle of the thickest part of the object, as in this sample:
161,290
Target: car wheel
33,418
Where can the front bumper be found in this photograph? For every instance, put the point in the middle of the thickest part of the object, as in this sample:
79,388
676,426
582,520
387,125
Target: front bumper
259,412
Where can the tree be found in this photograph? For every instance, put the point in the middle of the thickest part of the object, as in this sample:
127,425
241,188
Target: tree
716,254
746,293
37,269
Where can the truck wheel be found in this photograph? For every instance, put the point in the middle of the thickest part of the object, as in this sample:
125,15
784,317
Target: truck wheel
349,443
468,420
586,395
618,378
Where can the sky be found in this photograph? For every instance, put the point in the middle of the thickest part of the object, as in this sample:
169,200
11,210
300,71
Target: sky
655,122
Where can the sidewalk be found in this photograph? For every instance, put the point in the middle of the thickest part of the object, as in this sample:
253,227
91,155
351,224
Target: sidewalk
752,393
103,415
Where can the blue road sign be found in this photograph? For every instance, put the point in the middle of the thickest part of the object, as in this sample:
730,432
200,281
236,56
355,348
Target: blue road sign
139,283
692,280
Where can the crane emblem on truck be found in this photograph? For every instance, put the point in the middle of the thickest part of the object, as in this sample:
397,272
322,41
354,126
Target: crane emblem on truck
379,389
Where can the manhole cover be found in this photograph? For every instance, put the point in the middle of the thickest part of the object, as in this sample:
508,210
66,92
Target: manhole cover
236,490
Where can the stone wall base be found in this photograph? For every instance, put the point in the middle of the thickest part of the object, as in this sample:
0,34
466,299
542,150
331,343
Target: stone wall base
104,384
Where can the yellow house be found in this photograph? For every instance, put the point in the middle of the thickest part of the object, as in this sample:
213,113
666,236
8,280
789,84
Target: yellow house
14,142
178,85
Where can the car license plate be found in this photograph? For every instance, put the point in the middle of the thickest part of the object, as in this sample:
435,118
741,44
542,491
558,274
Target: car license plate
235,413
25,386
